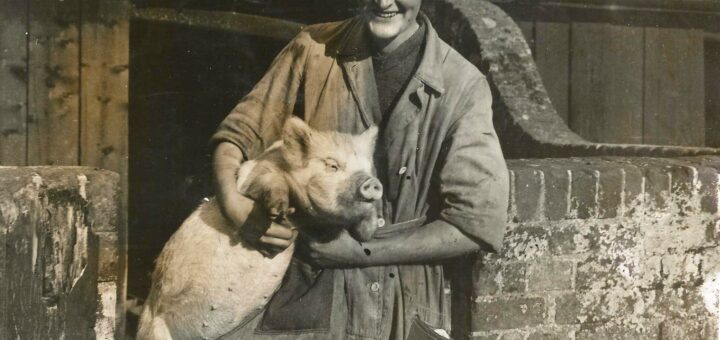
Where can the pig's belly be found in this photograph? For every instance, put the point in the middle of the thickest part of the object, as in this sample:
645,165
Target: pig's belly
222,282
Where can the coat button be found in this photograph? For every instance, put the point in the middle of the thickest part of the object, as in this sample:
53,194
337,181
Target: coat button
402,170
381,222
375,287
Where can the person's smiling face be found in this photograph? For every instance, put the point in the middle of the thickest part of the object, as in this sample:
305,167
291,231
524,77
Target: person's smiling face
390,20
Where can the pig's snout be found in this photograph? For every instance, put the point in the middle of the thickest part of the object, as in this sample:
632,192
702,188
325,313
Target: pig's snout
371,189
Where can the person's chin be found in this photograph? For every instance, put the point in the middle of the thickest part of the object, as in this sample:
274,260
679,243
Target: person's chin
383,31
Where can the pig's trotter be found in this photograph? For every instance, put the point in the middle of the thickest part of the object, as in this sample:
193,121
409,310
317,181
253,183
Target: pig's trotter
277,202
272,191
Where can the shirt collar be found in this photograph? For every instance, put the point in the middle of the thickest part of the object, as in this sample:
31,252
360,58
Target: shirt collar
355,46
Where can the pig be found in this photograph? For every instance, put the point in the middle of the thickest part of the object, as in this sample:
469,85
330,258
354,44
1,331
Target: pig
207,280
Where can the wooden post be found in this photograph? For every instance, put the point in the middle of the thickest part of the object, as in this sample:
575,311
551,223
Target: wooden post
105,55
53,273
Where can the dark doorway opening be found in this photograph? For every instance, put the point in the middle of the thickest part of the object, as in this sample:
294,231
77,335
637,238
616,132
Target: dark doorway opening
184,81
712,92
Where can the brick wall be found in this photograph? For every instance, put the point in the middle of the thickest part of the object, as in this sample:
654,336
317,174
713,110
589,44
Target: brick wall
605,248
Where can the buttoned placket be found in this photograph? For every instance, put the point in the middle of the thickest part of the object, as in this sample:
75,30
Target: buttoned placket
379,282
406,110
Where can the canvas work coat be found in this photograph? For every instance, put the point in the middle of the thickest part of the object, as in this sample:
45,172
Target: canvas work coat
438,158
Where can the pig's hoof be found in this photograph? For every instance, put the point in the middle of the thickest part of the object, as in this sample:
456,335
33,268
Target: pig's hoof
280,211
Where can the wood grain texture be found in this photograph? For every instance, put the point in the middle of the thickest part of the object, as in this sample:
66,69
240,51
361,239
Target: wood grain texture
54,87
552,56
606,82
105,54
674,87
13,82
104,76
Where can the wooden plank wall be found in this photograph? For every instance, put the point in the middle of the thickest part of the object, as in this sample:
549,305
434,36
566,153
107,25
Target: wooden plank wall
674,87
54,84
63,83
64,87
606,82
13,80
621,84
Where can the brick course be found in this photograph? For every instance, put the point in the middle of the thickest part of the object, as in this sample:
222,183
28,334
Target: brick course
605,248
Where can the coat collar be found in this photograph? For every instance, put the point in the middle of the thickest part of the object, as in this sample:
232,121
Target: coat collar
355,46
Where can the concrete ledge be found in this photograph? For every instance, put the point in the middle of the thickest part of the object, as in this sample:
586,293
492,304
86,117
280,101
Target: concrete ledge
608,187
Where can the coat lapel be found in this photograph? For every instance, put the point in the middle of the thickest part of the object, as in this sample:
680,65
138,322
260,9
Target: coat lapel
425,83
359,75
355,59
405,111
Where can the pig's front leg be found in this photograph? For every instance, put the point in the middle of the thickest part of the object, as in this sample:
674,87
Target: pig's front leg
272,191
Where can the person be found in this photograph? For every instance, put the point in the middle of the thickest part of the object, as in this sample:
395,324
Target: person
438,156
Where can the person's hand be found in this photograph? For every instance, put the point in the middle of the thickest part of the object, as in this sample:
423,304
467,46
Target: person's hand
251,220
267,236
343,251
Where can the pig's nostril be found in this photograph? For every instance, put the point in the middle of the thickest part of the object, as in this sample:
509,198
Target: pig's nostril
371,189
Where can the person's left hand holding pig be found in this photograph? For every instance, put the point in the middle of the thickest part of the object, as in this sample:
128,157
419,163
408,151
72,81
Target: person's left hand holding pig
252,219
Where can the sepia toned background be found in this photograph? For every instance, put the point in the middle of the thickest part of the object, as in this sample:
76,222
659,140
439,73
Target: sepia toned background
137,87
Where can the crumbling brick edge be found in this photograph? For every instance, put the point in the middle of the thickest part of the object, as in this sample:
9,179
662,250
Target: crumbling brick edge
605,248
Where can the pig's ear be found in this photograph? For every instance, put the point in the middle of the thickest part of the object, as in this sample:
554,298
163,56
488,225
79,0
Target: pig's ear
296,136
368,138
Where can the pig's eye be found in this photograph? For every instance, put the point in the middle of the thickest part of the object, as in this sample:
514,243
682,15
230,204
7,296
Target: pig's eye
331,165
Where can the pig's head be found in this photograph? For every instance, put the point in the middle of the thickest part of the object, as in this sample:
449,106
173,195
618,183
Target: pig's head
331,176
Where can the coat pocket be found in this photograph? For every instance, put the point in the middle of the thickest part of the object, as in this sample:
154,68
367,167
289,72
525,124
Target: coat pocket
304,289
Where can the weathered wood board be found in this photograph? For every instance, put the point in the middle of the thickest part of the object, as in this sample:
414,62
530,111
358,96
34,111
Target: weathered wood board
674,93
54,82
13,82
606,82
104,103
104,99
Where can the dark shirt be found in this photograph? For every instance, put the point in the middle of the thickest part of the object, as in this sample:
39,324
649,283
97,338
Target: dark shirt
394,70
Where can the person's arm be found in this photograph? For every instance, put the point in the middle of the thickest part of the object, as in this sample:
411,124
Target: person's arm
256,121
474,186
250,127
434,241
240,209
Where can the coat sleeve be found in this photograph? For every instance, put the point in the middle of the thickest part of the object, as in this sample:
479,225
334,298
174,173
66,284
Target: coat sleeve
256,121
474,182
